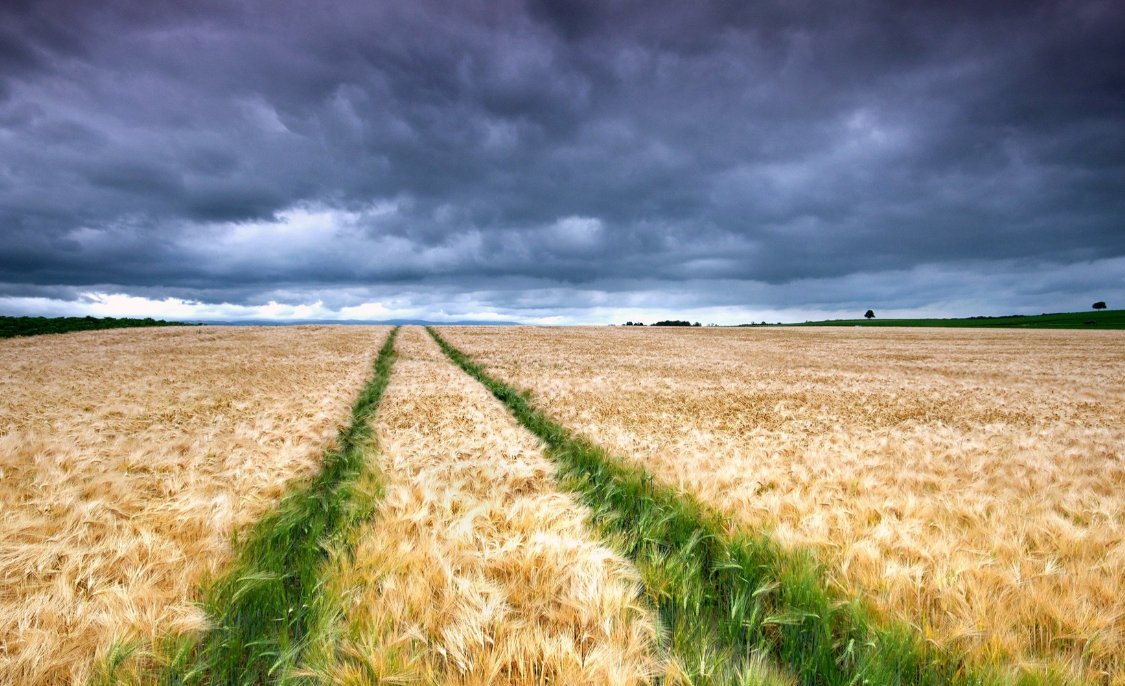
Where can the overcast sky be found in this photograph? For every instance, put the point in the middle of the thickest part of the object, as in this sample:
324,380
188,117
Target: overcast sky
549,162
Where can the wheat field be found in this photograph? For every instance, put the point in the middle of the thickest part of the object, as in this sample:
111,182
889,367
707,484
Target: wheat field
477,568
969,482
128,459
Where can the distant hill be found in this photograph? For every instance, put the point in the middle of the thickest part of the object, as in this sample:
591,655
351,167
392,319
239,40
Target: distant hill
351,322
1101,319
11,327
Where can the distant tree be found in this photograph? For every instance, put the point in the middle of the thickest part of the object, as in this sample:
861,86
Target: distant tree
697,324
1099,305
628,323
870,314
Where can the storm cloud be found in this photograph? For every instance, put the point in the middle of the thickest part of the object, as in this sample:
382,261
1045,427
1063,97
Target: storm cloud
560,162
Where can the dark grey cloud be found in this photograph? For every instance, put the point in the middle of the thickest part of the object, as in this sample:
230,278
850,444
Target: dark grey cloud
532,158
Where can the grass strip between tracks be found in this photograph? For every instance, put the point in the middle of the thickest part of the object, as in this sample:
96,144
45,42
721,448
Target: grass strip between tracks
731,599
263,609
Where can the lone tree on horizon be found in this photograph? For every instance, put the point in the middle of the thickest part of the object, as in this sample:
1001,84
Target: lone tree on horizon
1099,305
870,314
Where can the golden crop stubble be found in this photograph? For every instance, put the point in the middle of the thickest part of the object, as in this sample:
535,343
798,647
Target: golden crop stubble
477,569
127,460
971,482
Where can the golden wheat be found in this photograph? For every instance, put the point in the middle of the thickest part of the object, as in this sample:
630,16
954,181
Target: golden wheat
127,460
477,569
971,482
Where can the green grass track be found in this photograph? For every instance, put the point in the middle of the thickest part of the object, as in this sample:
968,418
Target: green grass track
262,609
732,599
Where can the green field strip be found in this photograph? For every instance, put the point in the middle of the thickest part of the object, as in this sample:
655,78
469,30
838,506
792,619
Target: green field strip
265,610
1101,319
731,598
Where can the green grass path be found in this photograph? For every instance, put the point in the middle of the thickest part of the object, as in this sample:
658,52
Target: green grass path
729,599
262,609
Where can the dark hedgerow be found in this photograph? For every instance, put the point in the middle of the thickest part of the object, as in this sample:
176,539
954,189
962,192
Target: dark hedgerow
11,327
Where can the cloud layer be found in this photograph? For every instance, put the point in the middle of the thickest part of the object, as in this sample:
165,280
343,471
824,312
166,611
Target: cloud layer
560,162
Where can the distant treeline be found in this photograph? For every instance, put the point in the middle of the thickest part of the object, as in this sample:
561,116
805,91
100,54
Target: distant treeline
667,322
33,326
